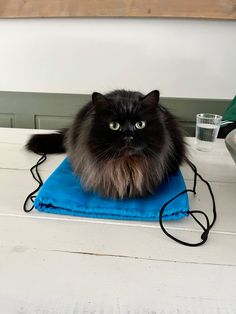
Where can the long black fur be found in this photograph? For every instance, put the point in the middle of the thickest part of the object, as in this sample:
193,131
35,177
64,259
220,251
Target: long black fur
101,156
47,143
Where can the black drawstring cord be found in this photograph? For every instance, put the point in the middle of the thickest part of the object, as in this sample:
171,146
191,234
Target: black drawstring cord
206,230
37,178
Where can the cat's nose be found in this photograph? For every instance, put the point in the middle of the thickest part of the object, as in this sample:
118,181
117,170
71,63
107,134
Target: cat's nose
128,138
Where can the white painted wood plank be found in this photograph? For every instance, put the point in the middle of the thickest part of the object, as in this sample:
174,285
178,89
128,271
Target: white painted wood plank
18,136
224,170
16,185
35,278
35,281
114,239
14,156
216,165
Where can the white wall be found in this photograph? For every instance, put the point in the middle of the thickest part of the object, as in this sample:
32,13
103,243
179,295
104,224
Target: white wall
182,58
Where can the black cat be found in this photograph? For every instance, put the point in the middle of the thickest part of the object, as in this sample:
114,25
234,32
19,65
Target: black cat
122,144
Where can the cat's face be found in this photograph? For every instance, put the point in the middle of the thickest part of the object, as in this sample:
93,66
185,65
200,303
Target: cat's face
126,123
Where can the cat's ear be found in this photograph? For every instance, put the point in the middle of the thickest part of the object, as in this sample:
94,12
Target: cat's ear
151,98
99,99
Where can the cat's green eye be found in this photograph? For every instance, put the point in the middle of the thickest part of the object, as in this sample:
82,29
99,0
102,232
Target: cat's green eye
115,126
140,125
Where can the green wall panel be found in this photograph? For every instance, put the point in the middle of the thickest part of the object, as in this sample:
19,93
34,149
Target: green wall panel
54,111
7,120
52,122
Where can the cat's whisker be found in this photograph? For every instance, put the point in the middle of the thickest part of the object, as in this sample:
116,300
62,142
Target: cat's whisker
105,155
152,152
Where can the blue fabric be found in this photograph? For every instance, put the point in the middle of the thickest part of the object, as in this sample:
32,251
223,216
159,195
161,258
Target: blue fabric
63,194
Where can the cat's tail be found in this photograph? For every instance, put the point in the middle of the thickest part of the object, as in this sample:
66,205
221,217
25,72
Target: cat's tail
47,143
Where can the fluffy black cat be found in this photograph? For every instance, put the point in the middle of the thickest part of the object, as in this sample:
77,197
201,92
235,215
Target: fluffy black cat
122,144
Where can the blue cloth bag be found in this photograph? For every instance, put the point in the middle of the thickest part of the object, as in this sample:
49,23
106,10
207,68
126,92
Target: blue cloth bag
62,193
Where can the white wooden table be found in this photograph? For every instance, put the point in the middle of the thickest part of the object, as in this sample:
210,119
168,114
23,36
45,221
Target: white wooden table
57,264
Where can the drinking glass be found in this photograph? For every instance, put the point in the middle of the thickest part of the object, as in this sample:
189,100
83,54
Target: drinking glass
207,128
